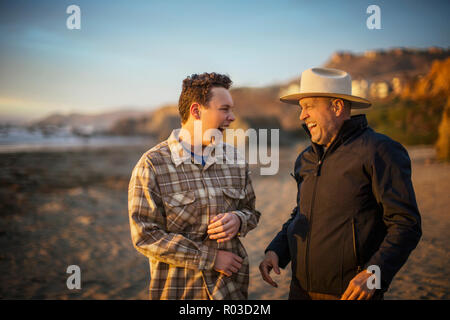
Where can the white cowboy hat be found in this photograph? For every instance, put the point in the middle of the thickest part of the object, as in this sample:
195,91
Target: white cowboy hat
326,82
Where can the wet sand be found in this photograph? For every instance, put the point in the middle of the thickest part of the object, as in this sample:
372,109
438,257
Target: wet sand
70,208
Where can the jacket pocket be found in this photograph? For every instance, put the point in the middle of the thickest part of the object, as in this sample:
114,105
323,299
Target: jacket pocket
181,211
355,248
232,196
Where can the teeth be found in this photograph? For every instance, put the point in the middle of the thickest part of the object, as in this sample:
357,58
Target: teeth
310,125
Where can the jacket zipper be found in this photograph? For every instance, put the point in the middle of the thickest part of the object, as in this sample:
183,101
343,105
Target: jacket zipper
355,252
317,174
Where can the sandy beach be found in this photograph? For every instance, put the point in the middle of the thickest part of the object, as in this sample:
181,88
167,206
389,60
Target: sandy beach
70,208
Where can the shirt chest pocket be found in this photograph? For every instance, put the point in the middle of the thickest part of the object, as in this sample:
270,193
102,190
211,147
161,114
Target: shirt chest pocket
182,211
232,196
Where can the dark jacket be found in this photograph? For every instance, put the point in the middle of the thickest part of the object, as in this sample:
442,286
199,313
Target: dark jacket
355,208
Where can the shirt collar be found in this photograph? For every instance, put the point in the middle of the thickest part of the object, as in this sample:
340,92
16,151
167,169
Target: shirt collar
214,152
177,152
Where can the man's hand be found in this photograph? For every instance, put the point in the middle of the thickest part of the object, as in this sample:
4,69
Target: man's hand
270,262
224,226
227,262
357,288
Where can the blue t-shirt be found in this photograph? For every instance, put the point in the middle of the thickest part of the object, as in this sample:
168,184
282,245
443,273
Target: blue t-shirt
198,158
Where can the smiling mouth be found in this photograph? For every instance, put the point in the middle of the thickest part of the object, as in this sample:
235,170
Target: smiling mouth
311,125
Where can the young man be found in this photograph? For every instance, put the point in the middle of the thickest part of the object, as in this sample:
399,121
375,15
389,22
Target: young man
189,200
356,208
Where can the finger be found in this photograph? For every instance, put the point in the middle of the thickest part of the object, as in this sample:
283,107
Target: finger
370,294
230,235
215,224
237,258
276,268
215,218
236,265
269,280
223,228
233,269
215,230
218,223
264,269
214,235
347,293
218,235
228,228
355,294
229,225
231,231
363,296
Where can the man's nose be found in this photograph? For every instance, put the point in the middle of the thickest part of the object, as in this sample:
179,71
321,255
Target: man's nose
231,116
303,114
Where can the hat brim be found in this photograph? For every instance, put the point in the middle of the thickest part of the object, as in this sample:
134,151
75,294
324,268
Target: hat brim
357,102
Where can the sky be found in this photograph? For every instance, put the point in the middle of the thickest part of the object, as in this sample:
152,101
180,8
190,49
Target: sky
135,54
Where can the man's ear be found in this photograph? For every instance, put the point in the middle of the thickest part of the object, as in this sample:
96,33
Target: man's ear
338,107
195,110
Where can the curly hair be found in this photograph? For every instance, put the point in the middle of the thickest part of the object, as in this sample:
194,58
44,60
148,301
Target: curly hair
197,88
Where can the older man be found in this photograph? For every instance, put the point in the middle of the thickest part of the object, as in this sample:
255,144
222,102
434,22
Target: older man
190,200
356,210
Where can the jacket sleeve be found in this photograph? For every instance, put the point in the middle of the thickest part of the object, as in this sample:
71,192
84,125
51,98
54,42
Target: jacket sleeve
393,190
247,213
148,220
280,244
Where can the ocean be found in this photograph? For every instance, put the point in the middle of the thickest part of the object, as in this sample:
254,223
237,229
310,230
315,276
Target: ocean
23,140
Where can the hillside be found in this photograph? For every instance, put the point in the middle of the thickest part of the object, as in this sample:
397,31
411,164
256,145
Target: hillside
158,123
383,65
255,104
413,117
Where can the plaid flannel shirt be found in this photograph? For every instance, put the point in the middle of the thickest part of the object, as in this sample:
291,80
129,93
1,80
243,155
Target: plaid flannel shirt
171,201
